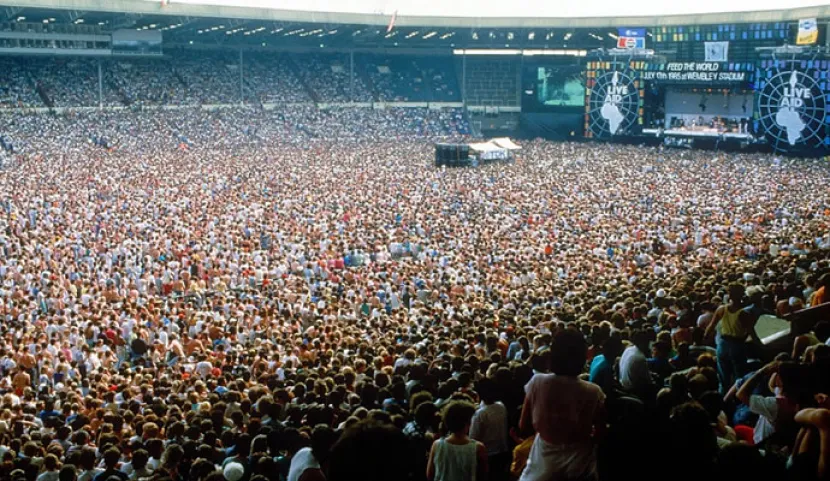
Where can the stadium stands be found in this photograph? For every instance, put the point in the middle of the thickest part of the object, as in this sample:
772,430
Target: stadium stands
212,77
406,78
17,85
180,80
146,83
66,82
270,79
328,76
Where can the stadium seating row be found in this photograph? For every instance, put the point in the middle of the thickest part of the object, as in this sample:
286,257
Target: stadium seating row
179,79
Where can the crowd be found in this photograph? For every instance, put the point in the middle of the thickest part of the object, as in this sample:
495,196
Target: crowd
144,83
329,76
249,295
270,79
66,82
183,78
17,87
231,129
398,78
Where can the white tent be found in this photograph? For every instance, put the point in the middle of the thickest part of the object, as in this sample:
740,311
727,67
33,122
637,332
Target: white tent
490,151
486,147
506,143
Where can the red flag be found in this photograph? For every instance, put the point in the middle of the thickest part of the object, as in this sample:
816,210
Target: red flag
392,22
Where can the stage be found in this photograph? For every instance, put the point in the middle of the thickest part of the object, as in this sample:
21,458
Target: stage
699,134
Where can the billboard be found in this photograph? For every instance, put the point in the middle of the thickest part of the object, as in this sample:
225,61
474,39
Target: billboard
629,38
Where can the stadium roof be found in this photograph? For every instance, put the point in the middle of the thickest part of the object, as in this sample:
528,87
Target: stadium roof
226,25
510,9
598,13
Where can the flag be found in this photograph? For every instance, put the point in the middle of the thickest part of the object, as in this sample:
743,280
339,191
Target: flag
717,51
392,22
807,32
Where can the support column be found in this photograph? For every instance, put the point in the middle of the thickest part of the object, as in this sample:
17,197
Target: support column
519,80
100,86
464,79
241,80
351,75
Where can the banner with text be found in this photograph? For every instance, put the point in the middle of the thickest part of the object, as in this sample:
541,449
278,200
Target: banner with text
695,72
807,32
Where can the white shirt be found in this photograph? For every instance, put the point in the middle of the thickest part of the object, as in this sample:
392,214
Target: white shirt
634,372
489,426
203,368
302,461
766,407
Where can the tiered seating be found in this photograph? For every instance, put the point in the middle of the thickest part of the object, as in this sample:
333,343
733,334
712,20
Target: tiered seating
17,88
212,77
328,75
149,82
270,79
67,82
441,77
188,78
396,79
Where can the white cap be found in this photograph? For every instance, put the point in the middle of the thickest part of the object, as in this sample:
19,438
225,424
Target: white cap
661,293
233,471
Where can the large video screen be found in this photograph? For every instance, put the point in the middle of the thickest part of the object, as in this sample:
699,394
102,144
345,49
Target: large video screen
553,87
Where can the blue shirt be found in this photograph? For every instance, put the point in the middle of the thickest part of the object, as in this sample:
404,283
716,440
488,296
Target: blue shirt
512,349
48,414
602,372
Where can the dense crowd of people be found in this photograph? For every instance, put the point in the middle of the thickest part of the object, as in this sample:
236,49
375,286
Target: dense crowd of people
231,129
182,78
270,79
400,78
17,86
299,294
330,76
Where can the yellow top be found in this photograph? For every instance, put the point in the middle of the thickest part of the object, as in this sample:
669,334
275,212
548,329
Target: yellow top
730,324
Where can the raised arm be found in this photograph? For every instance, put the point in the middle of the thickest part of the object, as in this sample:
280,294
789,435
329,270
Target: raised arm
820,420
745,392
710,329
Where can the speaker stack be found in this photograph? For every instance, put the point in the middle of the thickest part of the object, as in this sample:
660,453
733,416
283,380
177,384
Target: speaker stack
452,155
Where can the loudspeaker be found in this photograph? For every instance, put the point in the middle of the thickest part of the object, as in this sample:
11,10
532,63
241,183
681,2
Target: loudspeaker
452,155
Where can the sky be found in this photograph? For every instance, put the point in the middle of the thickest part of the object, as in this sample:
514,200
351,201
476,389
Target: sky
518,8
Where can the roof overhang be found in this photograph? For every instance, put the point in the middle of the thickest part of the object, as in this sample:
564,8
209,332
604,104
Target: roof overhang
276,15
